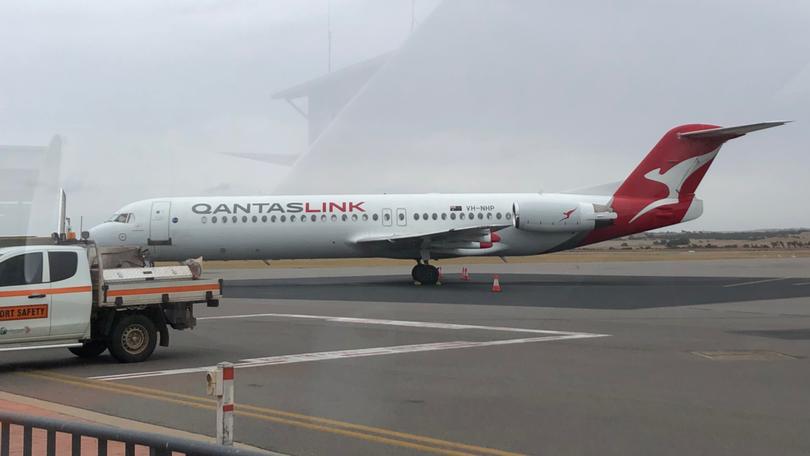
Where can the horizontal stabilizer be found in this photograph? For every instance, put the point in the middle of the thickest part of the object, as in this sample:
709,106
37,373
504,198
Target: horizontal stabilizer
730,132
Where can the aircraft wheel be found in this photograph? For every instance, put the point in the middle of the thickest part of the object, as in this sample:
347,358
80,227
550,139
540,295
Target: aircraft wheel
425,274
416,272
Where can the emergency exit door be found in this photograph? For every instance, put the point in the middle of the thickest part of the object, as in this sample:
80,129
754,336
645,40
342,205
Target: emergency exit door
402,216
159,223
386,217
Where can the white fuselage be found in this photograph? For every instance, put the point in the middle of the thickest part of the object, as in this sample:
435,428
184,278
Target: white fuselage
659,192
332,226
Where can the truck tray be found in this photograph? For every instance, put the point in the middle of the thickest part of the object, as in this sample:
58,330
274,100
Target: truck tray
117,294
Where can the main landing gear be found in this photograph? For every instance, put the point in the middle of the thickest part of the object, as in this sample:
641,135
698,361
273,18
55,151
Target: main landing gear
425,274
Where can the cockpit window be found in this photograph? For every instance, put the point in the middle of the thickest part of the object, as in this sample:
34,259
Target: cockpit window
122,218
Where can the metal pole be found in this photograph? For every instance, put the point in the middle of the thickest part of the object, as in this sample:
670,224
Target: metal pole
413,14
60,224
329,33
225,404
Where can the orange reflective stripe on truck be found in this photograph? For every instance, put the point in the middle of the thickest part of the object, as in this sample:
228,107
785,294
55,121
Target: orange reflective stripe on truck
45,291
161,290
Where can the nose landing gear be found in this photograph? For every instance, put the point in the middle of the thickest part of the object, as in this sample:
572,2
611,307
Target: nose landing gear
425,274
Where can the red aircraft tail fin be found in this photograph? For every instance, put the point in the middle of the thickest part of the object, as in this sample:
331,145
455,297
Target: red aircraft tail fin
660,191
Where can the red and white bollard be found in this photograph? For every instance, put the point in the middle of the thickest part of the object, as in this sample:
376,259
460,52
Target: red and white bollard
220,384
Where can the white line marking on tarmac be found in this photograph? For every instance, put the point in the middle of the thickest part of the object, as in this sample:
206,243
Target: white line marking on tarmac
801,284
742,284
344,354
366,352
374,321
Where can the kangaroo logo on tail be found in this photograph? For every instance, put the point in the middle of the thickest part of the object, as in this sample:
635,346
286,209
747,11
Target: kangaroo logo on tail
674,178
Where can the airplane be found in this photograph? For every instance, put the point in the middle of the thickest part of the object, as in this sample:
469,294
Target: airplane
659,192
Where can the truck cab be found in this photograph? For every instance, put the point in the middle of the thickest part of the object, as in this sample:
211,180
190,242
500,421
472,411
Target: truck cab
45,294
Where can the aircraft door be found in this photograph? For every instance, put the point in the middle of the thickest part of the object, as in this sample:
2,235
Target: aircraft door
386,217
402,216
159,223
24,299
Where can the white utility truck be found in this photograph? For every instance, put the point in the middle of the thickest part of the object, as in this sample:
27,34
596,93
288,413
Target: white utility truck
73,295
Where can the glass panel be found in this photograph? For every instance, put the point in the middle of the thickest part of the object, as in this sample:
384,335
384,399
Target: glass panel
21,270
62,265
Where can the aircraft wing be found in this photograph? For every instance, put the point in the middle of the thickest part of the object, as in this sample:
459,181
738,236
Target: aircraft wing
471,233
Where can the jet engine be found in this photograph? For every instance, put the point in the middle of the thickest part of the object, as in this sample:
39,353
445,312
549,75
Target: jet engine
545,215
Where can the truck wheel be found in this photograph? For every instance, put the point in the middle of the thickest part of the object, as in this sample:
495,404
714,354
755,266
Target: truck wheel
133,338
89,349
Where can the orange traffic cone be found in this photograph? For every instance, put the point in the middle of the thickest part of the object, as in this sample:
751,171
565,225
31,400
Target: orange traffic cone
465,274
496,285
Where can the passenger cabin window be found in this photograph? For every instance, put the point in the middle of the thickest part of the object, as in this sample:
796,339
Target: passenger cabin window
375,217
62,265
415,216
21,270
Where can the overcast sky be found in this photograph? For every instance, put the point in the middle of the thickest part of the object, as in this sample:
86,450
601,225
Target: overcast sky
483,96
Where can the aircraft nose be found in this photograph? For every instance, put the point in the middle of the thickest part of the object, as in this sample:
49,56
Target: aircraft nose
100,235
